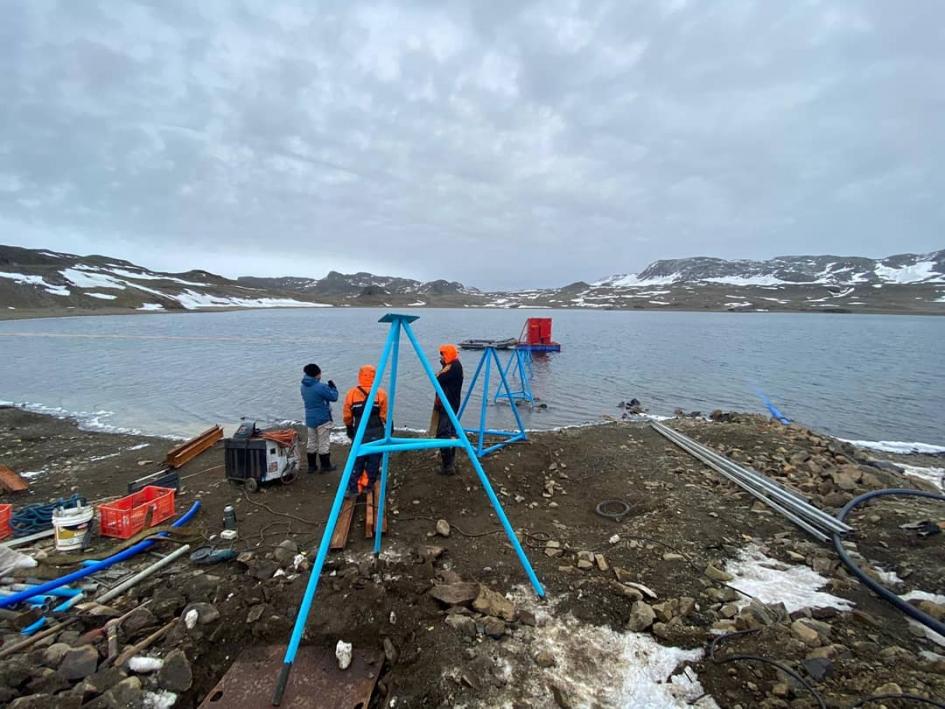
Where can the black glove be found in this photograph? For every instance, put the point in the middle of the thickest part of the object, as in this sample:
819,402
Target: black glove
331,384
350,431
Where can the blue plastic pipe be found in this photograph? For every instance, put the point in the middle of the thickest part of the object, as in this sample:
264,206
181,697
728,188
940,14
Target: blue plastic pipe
64,606
131,551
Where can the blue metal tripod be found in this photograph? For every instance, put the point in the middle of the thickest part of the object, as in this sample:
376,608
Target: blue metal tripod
387,445
489,356
522,359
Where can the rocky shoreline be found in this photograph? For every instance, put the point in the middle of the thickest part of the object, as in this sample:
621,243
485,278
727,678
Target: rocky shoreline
632,608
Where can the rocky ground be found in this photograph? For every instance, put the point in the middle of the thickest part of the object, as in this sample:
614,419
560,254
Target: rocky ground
631,607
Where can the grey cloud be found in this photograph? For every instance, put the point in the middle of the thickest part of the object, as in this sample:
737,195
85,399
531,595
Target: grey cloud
502,144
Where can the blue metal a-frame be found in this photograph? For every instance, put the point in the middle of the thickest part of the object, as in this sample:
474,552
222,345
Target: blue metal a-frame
522,359
387,445
489,356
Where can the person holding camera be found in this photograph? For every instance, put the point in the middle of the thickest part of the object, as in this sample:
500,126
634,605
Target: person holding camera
317,398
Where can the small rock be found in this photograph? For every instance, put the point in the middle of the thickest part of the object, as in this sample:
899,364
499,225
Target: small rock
176,674
285,552
255,613
526,617
139,619
818,667
888,688
805,633
79,663
642,617
430,552
493,627
53,654
126,693
455,594
601,562
717,574
491,603
206,613
463,623
544,658
390,652
442,527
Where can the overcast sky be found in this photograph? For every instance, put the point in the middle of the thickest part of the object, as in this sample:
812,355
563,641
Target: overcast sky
499,143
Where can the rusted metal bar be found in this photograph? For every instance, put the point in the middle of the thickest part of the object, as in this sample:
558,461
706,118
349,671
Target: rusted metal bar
185,452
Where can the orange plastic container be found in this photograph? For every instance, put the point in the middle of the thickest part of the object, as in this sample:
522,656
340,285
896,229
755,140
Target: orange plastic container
125,517
6,511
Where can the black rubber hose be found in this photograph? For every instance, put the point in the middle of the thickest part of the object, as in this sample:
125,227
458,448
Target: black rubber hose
907,608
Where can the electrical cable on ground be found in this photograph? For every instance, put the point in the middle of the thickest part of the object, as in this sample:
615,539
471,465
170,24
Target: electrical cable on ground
764,660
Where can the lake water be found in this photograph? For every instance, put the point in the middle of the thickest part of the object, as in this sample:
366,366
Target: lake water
861,377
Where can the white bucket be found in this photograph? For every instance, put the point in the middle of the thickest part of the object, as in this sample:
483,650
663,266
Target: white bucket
71,525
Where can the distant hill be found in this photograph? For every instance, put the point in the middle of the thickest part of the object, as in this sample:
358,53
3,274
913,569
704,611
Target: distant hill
41,282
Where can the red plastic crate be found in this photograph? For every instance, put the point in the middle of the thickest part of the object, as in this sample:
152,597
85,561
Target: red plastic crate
6,511
125,517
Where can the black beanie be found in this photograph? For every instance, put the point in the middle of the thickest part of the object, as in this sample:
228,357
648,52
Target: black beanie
312,370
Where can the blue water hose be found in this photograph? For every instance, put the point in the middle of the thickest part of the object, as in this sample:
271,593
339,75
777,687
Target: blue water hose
96,567
774,410
64,606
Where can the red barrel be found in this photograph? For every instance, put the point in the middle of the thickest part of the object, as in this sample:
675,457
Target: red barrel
539,331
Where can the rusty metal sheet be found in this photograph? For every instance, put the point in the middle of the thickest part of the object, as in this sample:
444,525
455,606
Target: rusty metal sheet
315,681
184,453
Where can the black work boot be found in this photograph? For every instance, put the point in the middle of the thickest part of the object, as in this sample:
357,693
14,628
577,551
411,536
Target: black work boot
327,467
312,462
448,465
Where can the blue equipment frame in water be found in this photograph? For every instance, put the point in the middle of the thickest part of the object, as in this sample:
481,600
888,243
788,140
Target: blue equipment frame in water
489,355
523,370
387,445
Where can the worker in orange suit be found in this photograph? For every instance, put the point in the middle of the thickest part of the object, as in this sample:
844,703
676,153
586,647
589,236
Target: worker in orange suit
366,467
450,378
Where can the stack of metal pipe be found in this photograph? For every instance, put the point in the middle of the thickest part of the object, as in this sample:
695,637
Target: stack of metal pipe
789,504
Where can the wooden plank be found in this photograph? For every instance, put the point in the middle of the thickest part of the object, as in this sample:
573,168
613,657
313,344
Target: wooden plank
340,537
370,514
11,482
184,453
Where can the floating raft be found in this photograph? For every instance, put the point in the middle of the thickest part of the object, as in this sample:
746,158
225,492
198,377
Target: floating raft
506,344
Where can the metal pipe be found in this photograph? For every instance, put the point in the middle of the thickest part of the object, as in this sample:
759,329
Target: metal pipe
788,514
798,505
787,497
143,574
19,541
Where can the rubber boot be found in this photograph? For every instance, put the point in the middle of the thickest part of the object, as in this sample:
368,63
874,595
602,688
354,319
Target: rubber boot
312,462
448,463
327,467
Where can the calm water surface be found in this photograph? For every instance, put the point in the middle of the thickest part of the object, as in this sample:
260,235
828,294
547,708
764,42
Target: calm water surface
863,377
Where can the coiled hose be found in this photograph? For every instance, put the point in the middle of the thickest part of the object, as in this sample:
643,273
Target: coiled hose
37,517
884,593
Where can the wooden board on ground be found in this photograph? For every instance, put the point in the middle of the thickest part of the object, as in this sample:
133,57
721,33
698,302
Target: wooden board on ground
11,482
315,681
370,516
185,452
340,537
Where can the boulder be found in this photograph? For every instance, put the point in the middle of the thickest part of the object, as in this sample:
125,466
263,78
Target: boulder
544,658
53,654
805,633
717,574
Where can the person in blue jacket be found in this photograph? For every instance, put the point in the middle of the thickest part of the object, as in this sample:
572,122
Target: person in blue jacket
318,398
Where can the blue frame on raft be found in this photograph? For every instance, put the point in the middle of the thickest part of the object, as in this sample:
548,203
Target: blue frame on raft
523,360
489,355
399,324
